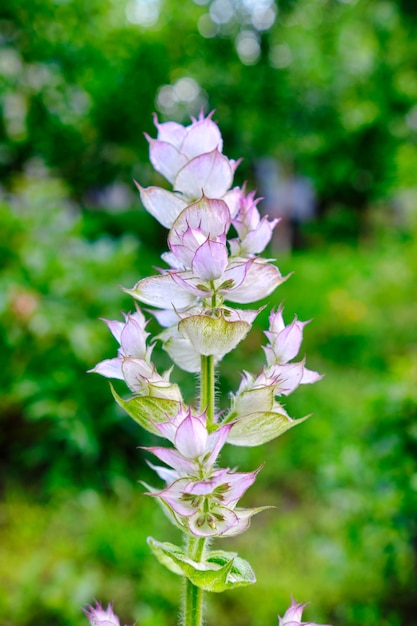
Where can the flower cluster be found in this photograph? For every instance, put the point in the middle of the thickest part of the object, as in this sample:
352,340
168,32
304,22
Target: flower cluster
133,363
201,498
205,268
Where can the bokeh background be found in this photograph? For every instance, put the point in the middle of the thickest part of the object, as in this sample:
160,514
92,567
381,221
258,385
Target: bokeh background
320,98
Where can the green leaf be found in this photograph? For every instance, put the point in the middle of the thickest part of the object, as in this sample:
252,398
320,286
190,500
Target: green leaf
218,572
258,428
147,410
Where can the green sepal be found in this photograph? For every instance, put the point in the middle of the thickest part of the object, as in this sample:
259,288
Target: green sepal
219,571
258,428
148,411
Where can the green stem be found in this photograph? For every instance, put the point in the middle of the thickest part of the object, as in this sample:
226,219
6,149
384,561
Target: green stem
207,389
193,599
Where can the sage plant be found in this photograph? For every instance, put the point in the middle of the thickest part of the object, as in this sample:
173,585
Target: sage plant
216,235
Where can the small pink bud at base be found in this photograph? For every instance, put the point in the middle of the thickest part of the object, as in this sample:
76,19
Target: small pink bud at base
100,617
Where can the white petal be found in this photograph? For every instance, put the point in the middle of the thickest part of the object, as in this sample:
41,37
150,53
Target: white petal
180,350
210,260
202,136
163,292
209,173
165,158
165,206
111,368
261,279
171,132
205,218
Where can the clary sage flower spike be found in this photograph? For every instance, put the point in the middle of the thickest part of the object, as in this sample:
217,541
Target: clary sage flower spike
215,238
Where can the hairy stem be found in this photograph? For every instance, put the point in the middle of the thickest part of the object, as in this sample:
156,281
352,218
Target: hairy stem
207,389
193,599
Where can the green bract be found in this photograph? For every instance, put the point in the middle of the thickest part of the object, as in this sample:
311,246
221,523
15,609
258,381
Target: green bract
147,411
213,335
258,428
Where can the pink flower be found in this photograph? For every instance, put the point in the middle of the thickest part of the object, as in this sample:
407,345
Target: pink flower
191,159
292,616
201,499
100,617
176,145
284,344
254,232
201,268
196,449
133,364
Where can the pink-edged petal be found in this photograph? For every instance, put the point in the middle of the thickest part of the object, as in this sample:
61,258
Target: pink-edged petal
276,322
287,344
167,430
168,475
235,247
209,173
173,459
216,441
206,487
165,158
288,377
191,284
244,315
295,612
191,437
115,327
165,206
208,216
232,199
210,260
234,275
110,368
133,339
138,317
162,291
174,497
238,483
171,132
184,255
136,373
270,354
244,517
202,136
256,240
260,281
309,377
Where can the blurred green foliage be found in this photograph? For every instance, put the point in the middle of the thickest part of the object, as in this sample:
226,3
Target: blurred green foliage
328,88
326,84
